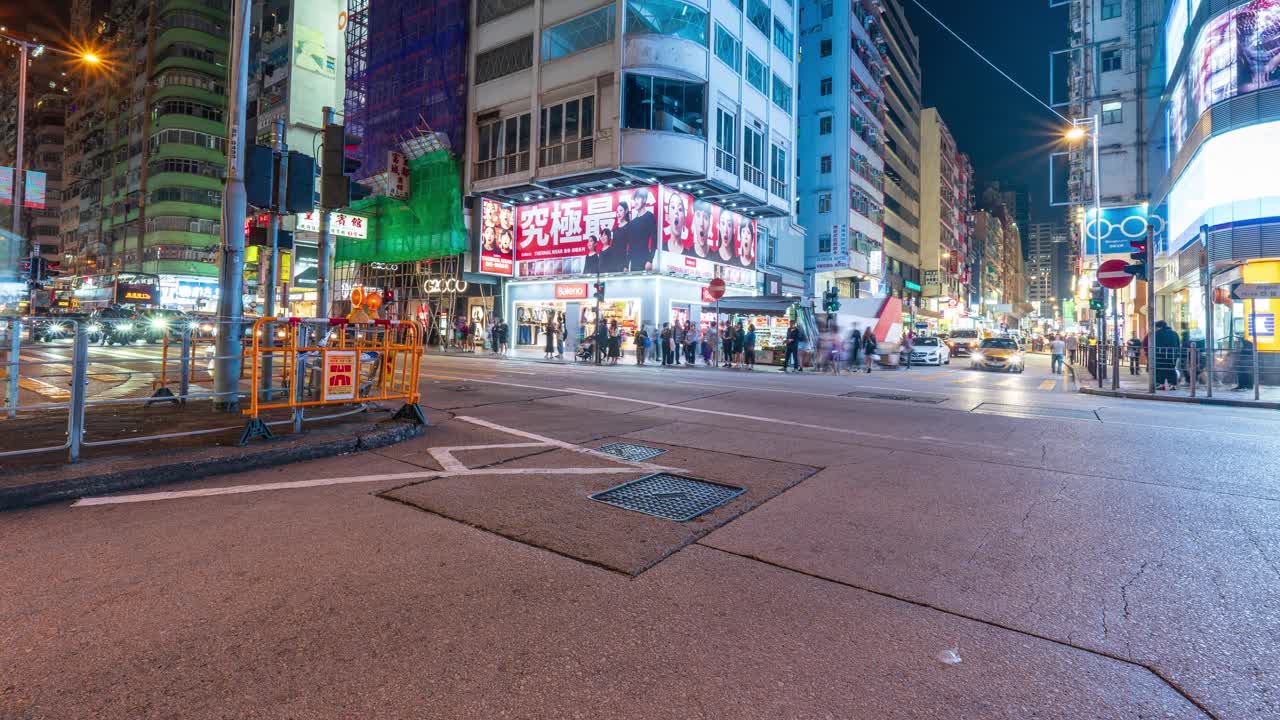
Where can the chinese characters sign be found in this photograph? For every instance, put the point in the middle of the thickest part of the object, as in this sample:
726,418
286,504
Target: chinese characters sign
340,224
497,238
340,374
613,232
397,175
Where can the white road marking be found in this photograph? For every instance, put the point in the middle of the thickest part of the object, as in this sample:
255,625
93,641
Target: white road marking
447,460
560,443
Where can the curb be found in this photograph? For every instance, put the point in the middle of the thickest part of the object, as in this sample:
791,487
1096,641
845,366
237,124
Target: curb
1260,404
24,496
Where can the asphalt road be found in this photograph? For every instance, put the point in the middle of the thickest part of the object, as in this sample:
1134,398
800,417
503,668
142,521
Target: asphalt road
932,543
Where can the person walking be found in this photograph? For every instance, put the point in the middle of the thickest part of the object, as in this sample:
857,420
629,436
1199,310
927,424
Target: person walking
690,343
1166,358
503,331
908,344
793,349
726,346
642,344
666,344
853,349
552,332
709,340
1133,348
1073,346
739,344
677,341
869,347
1057,349
749,347
615,342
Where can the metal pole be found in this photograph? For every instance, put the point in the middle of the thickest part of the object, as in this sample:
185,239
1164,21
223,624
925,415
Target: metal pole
1099,357
1209,342
231,272
1254,335
1117,337
273,226
18,185
79,386
184,367
324,252
15,364
599,319
1151,310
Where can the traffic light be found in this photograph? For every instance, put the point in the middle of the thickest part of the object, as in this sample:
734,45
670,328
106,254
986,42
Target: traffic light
1097,298
388,296
300,192
259,176
336,187
599,295
1138,268
831,300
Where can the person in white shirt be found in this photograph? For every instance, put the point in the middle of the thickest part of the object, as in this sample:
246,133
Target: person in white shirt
1057,349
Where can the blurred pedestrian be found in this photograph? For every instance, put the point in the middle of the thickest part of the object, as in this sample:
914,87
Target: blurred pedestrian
666,344
739,344
710,338
1073,346
642,344
869,348
908,344
793,349
749,347
1133,349
1057,348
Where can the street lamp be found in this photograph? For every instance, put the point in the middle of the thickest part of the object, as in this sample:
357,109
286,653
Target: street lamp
1076,133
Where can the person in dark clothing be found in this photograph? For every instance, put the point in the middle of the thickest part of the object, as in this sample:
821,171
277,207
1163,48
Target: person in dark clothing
642,237
793,349
1244,365
552,332
1166,358
726,346
642,344
666,343
749,347
1134,350
869,346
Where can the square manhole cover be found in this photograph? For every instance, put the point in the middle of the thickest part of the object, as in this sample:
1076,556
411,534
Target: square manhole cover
673,497
1047,411
630,452
937,400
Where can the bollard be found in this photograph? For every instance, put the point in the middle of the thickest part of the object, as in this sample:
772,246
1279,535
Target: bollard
15,365
79,386
1257,389
1192,370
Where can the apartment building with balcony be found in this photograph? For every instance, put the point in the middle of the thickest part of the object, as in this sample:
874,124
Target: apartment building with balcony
902,151
599,122
841,122
945,192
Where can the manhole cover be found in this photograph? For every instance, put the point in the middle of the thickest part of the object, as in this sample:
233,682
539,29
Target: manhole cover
891,396
673,497
1034,411
459,388
631,453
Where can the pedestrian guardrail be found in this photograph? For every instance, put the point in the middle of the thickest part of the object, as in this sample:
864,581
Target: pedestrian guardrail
299,363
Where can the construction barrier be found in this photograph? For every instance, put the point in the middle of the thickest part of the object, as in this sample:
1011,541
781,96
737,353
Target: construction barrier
298,363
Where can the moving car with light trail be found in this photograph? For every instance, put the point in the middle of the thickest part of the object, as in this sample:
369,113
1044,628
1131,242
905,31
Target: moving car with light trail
998,354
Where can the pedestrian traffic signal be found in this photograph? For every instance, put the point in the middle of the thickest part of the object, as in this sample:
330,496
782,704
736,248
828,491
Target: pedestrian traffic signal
388,297
1098,298
337,190
831,300
300,192
599,291
259,176
1138,268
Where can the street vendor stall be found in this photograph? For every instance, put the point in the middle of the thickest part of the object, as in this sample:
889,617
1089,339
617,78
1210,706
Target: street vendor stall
772,315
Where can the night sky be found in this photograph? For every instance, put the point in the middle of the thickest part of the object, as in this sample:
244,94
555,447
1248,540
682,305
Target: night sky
1007,134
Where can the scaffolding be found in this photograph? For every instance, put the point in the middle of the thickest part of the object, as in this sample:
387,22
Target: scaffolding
406,75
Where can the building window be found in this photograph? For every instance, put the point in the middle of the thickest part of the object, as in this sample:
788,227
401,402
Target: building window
726,138
188,137
781,94
1111,60
758,14
828,9
1110,9
824,48
824,203
824,164
783,40
757,74
654,103
504,60
728,48
824,243
502,147
753,157
583,32
667,17
824,87
770,244
490,10
1112,112
568,131
824,125
191,78
778,171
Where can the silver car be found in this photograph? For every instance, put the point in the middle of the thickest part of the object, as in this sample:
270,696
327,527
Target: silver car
930,351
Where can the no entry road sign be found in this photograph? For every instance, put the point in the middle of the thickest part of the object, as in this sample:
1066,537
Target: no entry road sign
1111,274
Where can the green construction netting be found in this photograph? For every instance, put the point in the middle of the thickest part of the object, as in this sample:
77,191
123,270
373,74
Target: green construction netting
428,225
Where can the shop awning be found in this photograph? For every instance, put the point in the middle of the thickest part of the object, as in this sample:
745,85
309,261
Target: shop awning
761,305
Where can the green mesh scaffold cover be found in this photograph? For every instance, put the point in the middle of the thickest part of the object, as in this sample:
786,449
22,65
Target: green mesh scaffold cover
428,225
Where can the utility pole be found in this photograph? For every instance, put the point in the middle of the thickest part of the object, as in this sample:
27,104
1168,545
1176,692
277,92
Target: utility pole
273,218
324,249
1151,309
18,180
1208,313
234,200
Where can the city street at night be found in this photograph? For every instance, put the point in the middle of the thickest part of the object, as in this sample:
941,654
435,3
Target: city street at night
917,543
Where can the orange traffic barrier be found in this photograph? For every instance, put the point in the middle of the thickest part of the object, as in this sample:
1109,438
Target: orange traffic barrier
299,363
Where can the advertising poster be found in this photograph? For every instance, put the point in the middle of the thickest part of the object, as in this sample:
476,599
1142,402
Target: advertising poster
340,224
340,372
615,232
497,238
1236,52
33,193
1118,227
6,185
397,175
697,228
310,53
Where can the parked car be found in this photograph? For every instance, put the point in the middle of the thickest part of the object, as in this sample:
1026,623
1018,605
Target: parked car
998,354
47,330
157,324
962,342
930,351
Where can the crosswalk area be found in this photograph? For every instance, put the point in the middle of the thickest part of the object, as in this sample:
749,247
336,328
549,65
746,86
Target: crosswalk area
114,373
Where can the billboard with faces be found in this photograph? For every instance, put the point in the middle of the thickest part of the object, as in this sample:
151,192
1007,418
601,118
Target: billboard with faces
611,232
697,234
497,238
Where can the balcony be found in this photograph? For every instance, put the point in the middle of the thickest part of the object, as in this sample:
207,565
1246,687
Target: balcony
726,161
503,165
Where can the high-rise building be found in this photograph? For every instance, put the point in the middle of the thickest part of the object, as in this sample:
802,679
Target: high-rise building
644,141
944,177
1212,159
1047,262
902,150
841,118
146,147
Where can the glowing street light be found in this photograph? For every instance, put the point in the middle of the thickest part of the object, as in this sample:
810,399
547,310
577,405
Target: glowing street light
1077,132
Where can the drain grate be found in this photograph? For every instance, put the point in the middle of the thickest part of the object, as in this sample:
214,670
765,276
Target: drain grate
460,388
1034,411
891,396
630,452
673,497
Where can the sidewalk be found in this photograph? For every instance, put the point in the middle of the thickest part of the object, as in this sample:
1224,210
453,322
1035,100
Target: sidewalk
1137,387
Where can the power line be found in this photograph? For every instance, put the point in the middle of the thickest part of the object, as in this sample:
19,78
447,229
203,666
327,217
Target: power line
984,59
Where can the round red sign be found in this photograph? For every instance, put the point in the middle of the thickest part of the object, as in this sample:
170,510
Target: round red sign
1111,274
716,288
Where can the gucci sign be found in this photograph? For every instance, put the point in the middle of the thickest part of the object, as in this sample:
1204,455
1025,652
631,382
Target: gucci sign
436,286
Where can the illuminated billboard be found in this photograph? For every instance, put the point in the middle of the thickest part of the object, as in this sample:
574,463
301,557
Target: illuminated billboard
497,238
614,232
1231,180
697,228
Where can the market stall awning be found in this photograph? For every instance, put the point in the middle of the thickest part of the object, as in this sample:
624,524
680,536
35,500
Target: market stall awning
760,305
